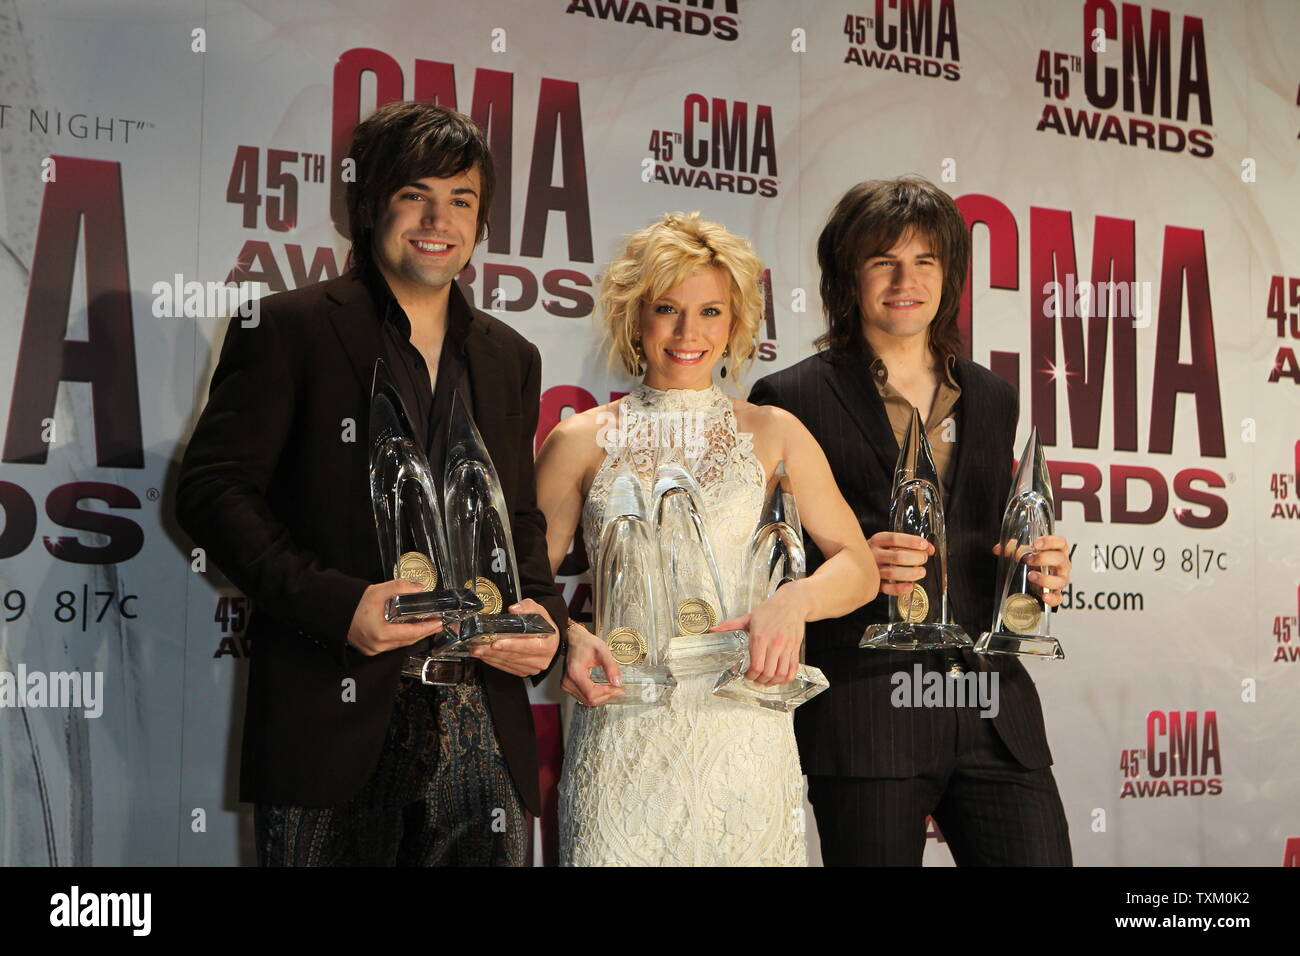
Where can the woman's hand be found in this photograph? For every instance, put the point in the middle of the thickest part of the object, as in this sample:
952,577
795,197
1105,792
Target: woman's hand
586,651
775,631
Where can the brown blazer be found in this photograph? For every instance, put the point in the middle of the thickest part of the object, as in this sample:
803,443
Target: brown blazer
276,491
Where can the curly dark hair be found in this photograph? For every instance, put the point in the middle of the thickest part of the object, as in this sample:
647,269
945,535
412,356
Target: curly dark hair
869,220
404,142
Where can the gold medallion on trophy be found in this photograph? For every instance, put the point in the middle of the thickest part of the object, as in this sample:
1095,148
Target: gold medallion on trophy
627,646
418,569
487,592
913,606
695,616
1020,613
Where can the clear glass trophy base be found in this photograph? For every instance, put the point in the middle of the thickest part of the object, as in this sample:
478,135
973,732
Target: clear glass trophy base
901,636
483,630
641,685
431,606
697,653
808,683
487,628
1022,645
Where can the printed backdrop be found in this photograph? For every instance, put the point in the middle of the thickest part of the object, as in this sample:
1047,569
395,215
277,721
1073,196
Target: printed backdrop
145,146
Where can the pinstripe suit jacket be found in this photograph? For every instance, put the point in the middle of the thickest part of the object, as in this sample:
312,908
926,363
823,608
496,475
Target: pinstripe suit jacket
852,729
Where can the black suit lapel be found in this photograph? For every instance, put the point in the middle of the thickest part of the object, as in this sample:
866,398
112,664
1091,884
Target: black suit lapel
357,326
496,396
851,382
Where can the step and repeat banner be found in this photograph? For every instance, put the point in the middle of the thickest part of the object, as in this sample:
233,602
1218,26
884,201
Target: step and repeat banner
1130,174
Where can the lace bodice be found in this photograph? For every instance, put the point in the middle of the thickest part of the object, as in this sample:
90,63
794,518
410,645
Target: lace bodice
696,429
702,780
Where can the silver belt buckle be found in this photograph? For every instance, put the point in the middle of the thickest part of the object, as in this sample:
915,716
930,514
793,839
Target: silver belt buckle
435,671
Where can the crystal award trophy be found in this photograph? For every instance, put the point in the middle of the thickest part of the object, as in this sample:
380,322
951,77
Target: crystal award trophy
1022,624
408,521
776,557
695,592
630,604
480,552
918,620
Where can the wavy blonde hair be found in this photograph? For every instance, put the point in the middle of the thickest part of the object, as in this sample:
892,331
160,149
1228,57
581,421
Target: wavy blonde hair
663,255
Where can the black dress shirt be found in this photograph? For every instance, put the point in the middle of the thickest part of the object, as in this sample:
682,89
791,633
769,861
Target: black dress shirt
429,405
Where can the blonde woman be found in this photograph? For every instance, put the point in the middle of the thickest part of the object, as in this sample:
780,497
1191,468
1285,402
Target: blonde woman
703,780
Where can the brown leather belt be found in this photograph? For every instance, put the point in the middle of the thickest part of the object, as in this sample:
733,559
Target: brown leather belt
432,670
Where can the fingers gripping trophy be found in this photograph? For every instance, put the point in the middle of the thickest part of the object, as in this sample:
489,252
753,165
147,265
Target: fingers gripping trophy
918,620
776,557
1021,624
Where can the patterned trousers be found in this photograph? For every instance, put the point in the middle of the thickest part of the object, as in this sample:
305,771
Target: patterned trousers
440,796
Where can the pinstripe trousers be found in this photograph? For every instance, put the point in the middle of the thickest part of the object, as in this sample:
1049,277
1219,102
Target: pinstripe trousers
991,810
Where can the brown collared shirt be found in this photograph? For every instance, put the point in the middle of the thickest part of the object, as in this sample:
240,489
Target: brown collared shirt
941,435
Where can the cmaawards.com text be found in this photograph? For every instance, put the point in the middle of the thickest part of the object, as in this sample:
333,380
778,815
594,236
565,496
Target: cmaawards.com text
701,18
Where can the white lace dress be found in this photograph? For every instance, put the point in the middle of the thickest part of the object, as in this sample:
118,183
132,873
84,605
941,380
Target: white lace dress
703,781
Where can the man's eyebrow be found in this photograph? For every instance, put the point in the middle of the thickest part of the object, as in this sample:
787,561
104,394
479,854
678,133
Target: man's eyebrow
457,191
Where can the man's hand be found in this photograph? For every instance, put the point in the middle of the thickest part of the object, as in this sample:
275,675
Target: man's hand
1050,554
901,559
586,651
370,634
522,656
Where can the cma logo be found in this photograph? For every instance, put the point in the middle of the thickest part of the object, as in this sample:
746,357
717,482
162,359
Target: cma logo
85,199
691,17
1182,757
1145,83
716,133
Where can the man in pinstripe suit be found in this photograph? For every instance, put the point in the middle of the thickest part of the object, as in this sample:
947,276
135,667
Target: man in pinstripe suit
893,259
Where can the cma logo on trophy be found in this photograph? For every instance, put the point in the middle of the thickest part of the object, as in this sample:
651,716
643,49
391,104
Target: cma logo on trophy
1181,758
723,145
907,36
717,18
1128,78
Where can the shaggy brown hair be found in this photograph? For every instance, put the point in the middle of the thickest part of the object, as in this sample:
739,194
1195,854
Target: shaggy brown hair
869,220
403,143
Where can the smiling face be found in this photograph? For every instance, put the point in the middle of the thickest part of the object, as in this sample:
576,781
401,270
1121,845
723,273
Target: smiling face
899,292
427,233
685,330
